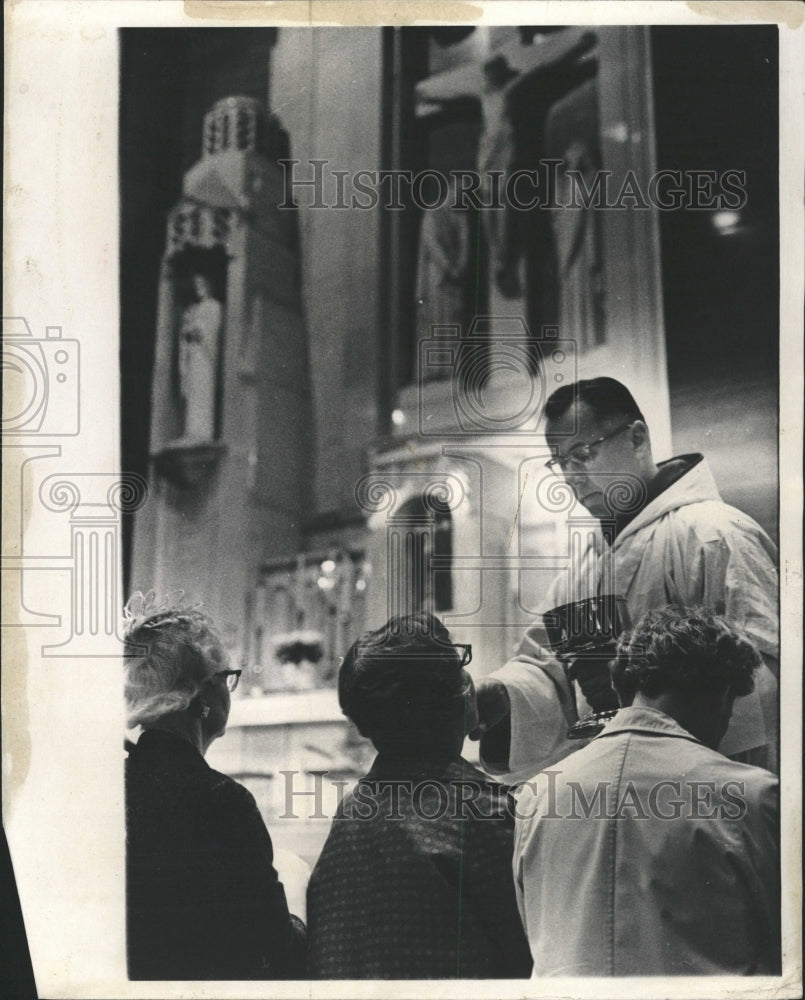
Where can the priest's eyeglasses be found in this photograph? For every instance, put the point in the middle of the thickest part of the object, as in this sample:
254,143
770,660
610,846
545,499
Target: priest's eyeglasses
580,454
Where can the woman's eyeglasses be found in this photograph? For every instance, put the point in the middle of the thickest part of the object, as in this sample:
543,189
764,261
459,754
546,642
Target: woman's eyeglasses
464,652
231,676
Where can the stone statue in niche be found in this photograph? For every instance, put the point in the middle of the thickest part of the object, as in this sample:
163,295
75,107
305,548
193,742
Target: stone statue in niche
443,268
199,343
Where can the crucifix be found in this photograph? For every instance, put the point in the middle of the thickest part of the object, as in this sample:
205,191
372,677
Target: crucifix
516,88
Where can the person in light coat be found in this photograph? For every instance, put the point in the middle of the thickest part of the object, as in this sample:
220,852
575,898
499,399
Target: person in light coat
678,542
648,852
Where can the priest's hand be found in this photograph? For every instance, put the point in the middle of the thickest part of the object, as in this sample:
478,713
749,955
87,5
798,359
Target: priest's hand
591,673
493,706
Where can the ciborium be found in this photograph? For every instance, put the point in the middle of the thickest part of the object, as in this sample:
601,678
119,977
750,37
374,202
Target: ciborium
582,636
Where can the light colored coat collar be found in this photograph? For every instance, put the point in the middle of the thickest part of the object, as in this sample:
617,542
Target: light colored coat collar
642,719
695,485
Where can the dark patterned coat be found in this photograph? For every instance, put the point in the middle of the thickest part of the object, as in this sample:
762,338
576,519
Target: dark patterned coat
415,879
203,898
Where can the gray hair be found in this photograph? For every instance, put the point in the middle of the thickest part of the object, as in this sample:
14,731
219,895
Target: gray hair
168,652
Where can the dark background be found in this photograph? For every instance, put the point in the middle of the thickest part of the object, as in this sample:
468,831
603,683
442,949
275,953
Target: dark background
716,105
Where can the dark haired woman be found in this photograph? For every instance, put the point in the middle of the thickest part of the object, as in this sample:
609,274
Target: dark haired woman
415,880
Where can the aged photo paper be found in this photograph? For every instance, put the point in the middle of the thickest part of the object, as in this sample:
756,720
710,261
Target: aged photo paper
253,351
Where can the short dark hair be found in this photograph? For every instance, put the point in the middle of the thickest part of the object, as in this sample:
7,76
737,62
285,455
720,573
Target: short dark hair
681,650
606,397
402,680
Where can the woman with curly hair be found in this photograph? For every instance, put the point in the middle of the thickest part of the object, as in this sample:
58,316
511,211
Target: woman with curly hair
648,852
203,897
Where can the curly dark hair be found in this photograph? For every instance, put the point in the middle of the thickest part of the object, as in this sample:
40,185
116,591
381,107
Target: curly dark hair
402,679
683,650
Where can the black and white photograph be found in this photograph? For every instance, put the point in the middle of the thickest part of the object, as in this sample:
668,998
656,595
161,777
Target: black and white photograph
402,557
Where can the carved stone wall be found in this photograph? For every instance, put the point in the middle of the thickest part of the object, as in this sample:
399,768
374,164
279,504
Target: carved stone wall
221,507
